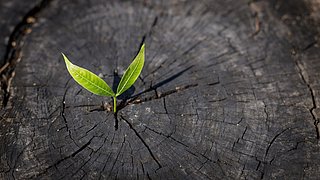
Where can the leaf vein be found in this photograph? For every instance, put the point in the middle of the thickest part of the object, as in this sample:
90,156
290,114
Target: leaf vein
92,83
130,76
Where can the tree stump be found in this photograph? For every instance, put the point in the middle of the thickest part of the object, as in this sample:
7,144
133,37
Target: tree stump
229,90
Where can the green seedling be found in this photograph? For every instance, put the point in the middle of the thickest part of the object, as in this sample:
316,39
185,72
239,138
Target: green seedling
98,86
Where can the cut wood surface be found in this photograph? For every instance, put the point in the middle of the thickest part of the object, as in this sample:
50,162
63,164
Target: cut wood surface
12,14
229,90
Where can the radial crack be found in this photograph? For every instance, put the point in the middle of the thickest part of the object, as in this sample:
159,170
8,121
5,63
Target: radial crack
142,140
135,99
118,154
63,114
167,136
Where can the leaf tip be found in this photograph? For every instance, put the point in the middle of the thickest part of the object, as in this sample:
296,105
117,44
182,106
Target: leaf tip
66,60
64,56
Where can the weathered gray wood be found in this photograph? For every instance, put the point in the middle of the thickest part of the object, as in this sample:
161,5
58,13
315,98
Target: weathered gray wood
12,12
230,90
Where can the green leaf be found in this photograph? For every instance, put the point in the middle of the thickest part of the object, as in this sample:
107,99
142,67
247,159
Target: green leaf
132,73
88,80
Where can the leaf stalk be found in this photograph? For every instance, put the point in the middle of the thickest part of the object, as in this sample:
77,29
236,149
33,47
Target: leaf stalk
114,104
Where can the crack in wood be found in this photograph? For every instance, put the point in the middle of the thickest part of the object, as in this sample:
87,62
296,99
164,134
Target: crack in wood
303,75
135,100
63,114
19,155
212,121
310,45
218,100
65,158
80,168
13,51
273,140
169,136
118,154
105,165
131,157
143,142
165,106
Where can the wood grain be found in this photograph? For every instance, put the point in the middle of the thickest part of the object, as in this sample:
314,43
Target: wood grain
229,90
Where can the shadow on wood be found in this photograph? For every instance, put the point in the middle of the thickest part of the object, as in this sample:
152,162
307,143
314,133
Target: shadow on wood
230,90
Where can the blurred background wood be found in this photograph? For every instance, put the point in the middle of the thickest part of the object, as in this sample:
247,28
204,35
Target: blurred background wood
230,90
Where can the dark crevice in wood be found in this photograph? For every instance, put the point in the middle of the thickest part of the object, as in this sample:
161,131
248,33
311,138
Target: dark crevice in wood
143,142
244,132
81,148
63,108
264,161
167,113
273,140
242,171
214,83
148,176
13,168
148,34
295,146
136,100
83,165
222,170
259,163
165,105
169,136
312,44
155,21
118,154
270,162
65,158
91,129
142,167
63,112
13,52
302,75
157,96
266,96
132,159
241,119
305,37
218,100
104,166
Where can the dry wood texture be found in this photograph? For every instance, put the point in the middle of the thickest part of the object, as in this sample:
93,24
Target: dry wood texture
230,90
